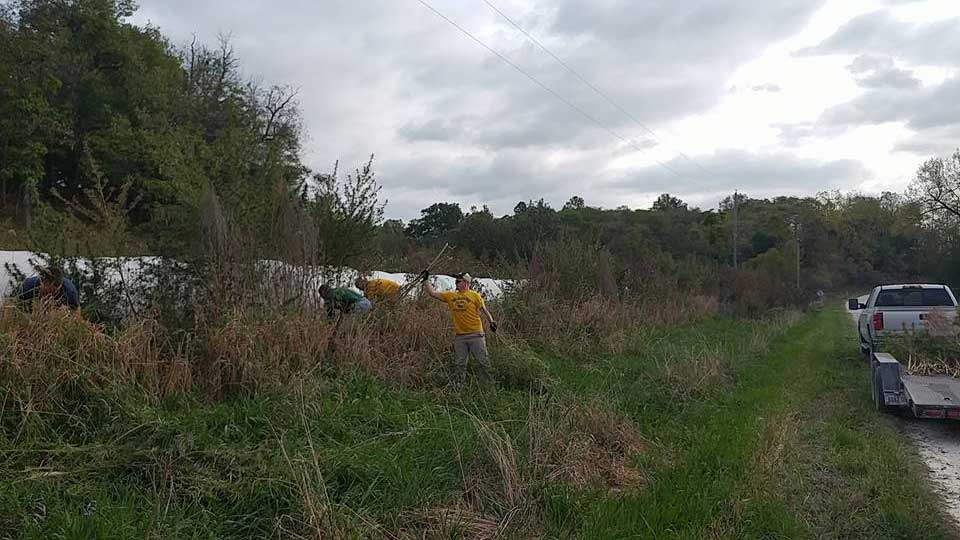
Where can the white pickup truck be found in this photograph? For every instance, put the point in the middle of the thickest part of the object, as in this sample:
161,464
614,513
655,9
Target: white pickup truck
895,309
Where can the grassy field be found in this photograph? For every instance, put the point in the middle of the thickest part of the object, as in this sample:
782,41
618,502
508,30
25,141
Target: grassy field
725,429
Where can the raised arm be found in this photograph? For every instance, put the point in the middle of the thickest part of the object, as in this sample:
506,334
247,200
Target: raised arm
428,288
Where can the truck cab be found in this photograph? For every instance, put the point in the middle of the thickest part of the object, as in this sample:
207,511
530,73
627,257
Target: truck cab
895,309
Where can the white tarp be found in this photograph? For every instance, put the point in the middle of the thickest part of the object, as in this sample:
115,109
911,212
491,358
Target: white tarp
129,272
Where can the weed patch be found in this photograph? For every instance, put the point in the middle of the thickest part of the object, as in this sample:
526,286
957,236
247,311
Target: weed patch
584,445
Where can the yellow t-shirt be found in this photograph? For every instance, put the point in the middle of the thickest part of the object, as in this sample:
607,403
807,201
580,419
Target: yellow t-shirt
465,309
381,289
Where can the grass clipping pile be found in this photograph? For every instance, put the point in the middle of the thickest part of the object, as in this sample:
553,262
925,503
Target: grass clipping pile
585,445
582,444
935,351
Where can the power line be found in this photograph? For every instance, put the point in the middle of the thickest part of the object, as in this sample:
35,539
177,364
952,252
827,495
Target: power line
537,81
587,83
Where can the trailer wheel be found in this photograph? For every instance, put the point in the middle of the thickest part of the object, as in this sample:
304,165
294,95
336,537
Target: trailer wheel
878,401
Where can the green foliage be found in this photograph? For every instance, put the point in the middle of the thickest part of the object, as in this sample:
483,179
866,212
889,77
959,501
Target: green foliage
575,203
608,450
844,240
667,202
347,213
436,221
91,98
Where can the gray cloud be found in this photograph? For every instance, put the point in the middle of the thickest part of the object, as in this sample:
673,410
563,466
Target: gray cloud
939,141
434,129
795,134
758,174
499,179
931,112
933,43
927,107
448,120
881,72
893,94
509,177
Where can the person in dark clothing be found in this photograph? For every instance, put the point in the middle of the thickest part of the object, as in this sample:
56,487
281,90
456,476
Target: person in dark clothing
343,300
50,285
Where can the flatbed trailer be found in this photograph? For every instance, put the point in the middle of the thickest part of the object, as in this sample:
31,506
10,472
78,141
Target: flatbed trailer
928,396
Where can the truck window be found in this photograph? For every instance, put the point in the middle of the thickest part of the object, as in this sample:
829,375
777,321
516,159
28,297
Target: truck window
913,298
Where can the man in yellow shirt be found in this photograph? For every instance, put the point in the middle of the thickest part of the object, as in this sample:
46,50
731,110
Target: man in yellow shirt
378,289
465,309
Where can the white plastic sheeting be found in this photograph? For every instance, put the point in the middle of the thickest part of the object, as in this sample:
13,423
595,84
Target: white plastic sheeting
130,268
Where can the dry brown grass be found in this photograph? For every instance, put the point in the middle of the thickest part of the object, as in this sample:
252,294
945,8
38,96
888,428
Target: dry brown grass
585,445
933,366
40,348
144,356
251,353
778,438
400,343
691,371
598,324
405,344
932,352
510,484
497,500
44,349
455,521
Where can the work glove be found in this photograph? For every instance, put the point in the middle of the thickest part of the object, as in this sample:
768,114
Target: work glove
424,275
493,327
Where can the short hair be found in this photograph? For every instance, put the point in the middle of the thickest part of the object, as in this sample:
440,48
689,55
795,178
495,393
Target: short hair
324,290
51,274
360,281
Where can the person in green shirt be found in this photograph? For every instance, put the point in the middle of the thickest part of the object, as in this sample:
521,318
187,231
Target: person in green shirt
343,300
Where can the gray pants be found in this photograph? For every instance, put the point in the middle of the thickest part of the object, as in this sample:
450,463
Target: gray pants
466,345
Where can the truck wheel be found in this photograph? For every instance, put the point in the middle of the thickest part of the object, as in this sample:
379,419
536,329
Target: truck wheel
878,401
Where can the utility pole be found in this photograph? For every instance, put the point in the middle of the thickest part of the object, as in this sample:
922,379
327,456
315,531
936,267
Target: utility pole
795,225
736,229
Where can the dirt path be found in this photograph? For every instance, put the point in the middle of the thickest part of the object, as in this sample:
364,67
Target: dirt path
938,444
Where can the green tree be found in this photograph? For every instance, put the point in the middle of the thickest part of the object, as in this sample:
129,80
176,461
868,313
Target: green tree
436,221
668,202
347,213
575,203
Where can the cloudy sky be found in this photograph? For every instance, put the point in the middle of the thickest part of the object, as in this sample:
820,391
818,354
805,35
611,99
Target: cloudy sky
708,96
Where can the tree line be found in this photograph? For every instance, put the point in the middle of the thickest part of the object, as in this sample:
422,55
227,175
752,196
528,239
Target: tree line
99,116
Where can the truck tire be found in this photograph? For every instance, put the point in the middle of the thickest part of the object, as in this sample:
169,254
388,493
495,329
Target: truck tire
878,401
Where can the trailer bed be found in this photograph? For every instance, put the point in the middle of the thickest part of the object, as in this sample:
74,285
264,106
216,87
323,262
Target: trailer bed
927,396
932,390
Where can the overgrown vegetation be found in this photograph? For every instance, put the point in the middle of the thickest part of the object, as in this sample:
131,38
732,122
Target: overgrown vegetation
619,443
933,351
642,383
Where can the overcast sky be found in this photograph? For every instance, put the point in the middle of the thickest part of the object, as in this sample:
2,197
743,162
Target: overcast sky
769,97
